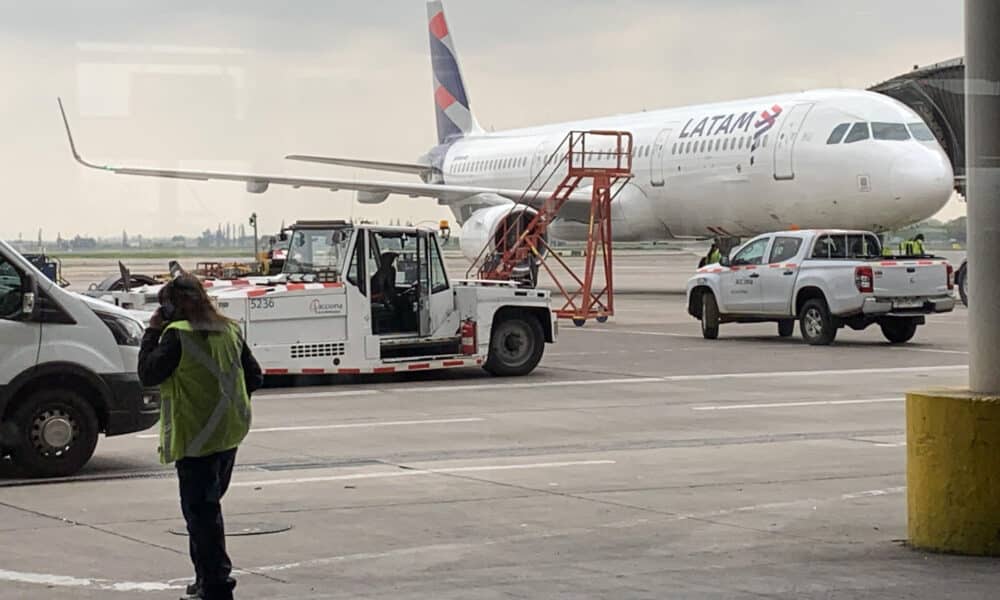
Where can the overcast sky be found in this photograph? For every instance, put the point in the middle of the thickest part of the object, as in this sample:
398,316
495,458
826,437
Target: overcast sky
237,85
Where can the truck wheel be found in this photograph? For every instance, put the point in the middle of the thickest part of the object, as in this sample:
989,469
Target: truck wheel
818,328
898,331
963,284
57,433
709,316
517,343
786,328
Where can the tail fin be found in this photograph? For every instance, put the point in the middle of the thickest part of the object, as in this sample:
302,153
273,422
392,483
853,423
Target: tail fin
454,115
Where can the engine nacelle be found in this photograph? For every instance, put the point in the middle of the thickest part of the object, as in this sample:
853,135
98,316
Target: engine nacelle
486,226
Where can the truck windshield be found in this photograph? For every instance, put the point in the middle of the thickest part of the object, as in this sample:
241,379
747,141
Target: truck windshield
847,245
315,251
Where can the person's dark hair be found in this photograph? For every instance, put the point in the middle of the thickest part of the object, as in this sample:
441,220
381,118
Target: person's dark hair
186,293
920,237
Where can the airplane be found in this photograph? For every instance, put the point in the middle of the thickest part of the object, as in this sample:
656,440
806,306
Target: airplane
816,159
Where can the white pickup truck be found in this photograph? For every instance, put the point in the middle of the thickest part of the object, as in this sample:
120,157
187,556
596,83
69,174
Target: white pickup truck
826,280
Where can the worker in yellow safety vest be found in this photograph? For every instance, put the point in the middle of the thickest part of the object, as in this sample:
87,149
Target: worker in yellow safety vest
914,247
205,373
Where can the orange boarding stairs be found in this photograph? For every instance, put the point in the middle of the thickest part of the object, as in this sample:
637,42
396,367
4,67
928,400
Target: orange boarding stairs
521,251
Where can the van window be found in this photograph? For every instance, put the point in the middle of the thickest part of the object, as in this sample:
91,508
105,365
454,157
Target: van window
858,133
785,248
892,132
838,134
10,291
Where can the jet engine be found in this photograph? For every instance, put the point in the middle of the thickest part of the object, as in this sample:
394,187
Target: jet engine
487,226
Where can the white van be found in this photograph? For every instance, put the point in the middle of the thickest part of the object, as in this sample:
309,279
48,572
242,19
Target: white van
67,372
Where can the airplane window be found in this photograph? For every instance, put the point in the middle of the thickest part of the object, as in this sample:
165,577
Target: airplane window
674,149
858,133
741,142
838,134
893,132
704,144
921,132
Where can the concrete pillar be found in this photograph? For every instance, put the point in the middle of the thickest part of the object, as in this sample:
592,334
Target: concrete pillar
953,436
982,72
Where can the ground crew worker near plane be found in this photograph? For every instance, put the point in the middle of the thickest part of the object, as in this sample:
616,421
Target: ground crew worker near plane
713,256
914,247
206,374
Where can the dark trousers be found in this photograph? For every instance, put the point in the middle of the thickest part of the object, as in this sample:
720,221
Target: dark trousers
203,483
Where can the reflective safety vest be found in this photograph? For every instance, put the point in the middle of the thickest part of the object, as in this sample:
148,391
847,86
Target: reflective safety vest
205,408
714,257
912,248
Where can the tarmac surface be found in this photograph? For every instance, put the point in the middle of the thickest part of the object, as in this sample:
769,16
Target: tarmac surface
639,461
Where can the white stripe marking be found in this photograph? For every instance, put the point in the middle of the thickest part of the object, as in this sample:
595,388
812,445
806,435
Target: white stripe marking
797,404
417,472
632,332
765,375
540,384
932,350
348,426
76,582
307,396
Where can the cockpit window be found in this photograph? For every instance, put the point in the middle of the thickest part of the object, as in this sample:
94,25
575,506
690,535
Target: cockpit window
858,133
921,132
893,132
838,134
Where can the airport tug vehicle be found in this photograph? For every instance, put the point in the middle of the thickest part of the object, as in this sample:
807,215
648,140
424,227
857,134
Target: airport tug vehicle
825,280
365,299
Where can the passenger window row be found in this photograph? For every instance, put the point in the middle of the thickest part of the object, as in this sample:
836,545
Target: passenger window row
729,144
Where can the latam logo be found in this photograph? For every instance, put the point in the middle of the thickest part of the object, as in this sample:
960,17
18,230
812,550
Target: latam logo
318,308
729,124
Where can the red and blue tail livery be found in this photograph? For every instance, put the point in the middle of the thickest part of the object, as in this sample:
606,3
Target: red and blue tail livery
454,116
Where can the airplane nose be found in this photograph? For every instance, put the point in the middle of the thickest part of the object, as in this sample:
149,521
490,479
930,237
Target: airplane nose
922,181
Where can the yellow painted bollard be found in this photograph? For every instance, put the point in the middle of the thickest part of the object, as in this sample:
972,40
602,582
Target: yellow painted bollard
953,472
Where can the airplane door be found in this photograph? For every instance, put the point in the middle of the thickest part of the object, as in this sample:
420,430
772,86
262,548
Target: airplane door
658,159
538,162
788,135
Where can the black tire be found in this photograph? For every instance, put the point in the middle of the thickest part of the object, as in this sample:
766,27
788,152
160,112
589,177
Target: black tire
786,328
962,280
899,331
816,324
709,316
517,344
43,421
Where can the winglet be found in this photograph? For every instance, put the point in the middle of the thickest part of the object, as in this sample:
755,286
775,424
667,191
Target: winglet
72,144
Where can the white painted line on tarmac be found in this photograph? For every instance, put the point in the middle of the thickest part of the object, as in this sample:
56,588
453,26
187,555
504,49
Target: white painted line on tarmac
63,581
631,332
310,395
932,351
349,426
836,372
419,472
540,384
724,407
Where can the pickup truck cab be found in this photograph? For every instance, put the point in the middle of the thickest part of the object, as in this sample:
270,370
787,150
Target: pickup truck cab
825,280
67,372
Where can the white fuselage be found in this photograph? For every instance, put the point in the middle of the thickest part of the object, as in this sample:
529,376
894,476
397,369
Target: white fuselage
698,172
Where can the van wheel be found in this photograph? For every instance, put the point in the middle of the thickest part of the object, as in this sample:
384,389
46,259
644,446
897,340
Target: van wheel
517,343
57,433
709,316
899,331
817,326
786,328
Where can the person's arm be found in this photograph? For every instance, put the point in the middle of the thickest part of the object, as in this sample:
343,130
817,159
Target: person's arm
159,355
252,373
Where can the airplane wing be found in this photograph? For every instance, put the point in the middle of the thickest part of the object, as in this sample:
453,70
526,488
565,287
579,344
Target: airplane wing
392,167
258,183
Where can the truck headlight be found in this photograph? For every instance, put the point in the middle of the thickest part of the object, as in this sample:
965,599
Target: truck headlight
127,331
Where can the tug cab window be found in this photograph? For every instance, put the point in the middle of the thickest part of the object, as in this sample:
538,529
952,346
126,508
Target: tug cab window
10,291
395,278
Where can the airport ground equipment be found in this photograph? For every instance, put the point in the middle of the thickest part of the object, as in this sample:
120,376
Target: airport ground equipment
67,372
50,266
334,310
519,249
825,280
